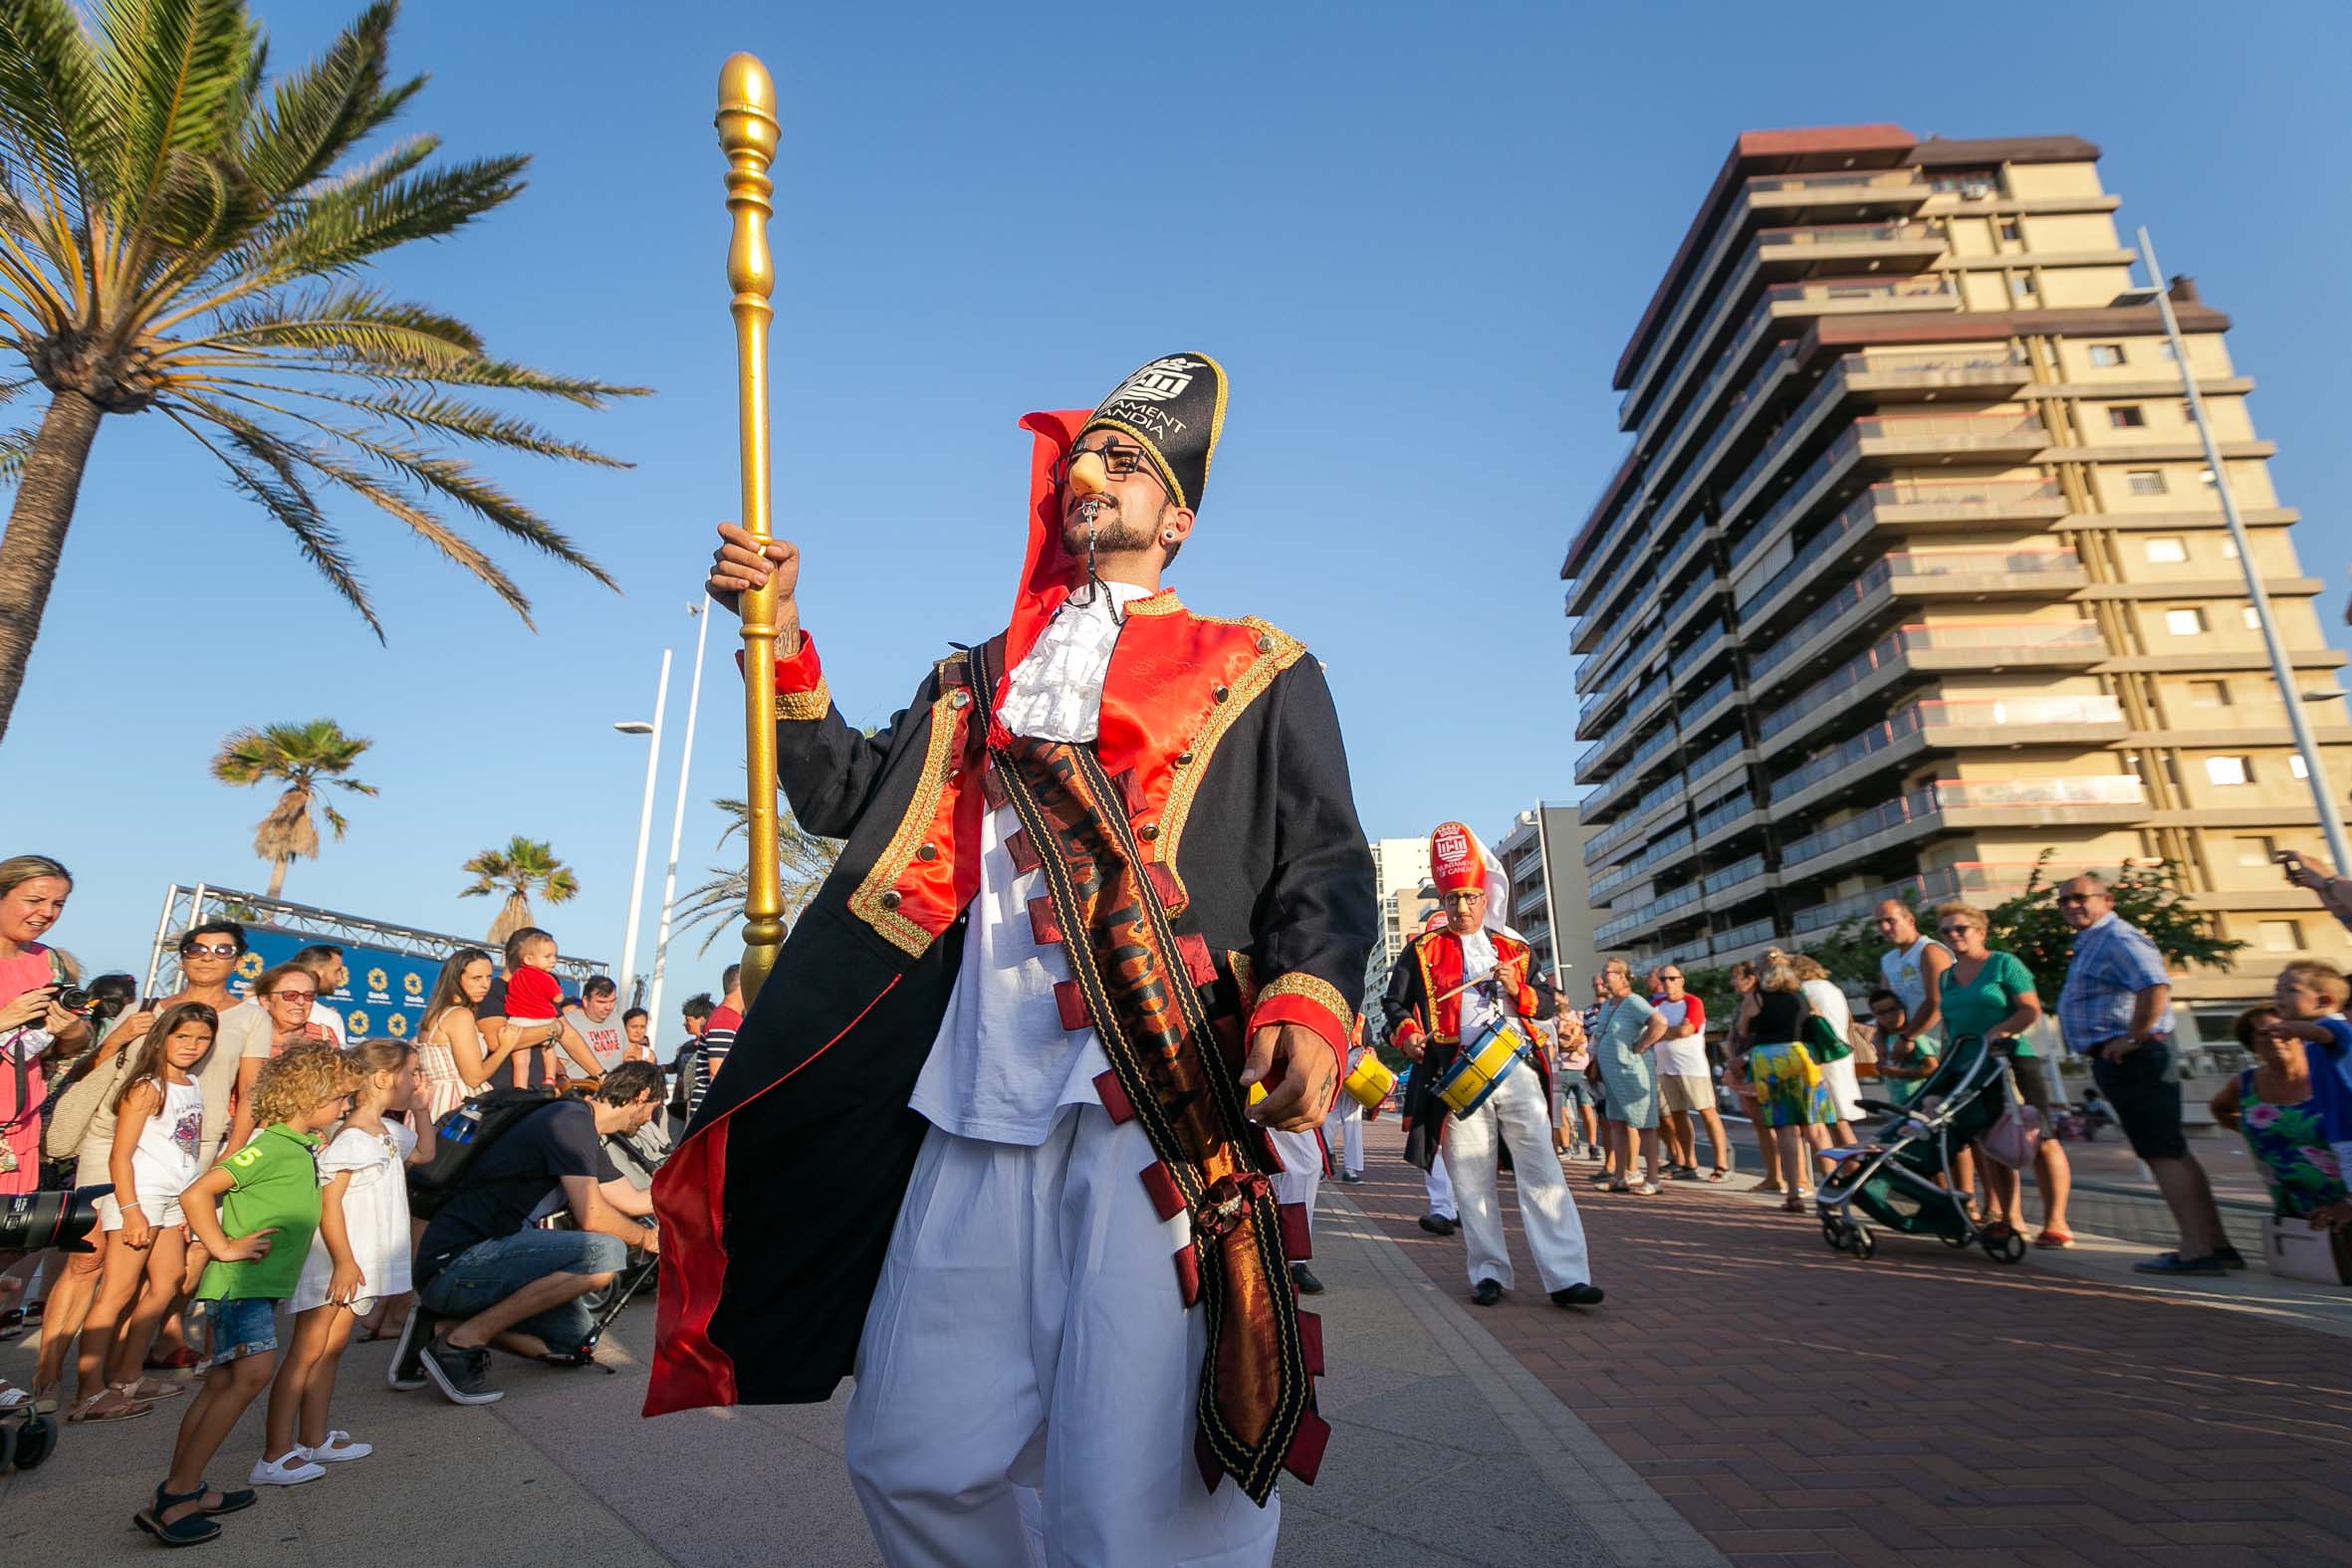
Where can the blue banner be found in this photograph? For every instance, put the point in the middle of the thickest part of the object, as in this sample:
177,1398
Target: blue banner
385,995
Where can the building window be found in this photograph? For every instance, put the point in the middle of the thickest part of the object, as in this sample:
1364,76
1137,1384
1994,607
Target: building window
2010,233
2295,765
2229,769
1975,185
2105,355
2020,288
2164,349
2146,481
2253,618
2167,549
2229,548
2256,851
2279,936
2209,694
2127,416
2184,623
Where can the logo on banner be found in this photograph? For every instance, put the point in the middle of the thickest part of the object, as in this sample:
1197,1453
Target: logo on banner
396,1026
355,1024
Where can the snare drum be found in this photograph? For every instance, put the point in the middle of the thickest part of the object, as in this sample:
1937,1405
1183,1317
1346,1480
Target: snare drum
1369,1084
1477,1069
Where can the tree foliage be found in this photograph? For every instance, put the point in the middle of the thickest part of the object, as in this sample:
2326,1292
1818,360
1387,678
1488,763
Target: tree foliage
805,858
524,866
305,757
182,234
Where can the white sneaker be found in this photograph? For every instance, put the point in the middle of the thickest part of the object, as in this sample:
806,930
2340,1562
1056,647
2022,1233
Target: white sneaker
337,1447
292,1471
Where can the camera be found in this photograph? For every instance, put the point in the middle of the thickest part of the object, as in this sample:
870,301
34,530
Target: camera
35,1222
74,1000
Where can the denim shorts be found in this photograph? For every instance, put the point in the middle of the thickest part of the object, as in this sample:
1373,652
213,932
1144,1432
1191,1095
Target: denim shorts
1576,1089
489,1271
234,1329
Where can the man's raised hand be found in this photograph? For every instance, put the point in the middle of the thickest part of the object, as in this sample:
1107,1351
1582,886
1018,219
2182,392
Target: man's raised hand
741,564
1310,1076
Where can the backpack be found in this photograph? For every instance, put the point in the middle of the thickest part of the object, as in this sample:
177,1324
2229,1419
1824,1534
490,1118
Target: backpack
459,1139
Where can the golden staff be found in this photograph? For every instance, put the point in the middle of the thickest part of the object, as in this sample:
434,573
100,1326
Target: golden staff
748,135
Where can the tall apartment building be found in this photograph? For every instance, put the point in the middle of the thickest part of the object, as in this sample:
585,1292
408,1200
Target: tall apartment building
1400,868
1916,567
1545,860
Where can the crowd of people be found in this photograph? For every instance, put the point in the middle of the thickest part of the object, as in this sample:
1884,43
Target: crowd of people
260,1171
1636,1078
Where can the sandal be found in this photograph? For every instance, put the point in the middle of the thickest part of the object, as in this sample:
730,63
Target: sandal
97,1408
2053,1240
1645,1189
1720,1173
151,1388
1797,1201
178,1360
193,1529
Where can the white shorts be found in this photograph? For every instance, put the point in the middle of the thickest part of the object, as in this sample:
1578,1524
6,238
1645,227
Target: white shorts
110,1213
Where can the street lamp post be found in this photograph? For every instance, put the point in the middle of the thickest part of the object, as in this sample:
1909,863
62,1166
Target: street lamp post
2330,821
669,883
628,944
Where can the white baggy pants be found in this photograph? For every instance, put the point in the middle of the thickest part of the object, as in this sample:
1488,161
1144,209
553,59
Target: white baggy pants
1028,1349
1345,1130
1302,1175
1516,1112
1441,1189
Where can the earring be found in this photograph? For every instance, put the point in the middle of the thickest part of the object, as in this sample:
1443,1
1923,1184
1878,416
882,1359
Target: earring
1167,536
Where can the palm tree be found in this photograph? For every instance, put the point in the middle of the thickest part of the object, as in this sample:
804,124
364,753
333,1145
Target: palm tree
178,237
304,758
806,860
524,864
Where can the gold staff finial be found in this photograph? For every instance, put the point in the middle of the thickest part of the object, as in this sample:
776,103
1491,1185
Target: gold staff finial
749,133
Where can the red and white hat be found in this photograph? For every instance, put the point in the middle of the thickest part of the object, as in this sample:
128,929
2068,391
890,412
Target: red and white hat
1458,861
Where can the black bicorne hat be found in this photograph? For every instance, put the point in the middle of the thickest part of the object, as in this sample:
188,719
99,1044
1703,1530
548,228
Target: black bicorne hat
1175,407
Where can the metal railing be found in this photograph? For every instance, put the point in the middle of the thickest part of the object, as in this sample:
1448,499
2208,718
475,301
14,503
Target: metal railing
1727,416
1706,702
1926,563
1900,725
1902,810
1853,673
1968,879
1723,814
1724,943
1735,873
2003,636
1989,498
1961,794
1846,233
1935,290
1719,752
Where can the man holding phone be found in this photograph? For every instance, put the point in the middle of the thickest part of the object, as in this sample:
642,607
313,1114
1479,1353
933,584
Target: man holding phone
2335,892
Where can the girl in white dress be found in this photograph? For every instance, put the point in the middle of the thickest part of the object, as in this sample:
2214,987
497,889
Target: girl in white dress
159,1127
361,1254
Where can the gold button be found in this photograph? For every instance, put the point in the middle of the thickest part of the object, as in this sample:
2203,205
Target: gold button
1148,832
890,899
959,698
927,852
1184,759
1265,644
1219,693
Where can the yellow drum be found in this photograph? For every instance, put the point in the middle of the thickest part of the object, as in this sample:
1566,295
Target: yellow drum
1369,1084
1477,1069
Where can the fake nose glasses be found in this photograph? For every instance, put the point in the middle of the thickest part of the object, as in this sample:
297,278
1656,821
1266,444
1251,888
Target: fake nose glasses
1087,475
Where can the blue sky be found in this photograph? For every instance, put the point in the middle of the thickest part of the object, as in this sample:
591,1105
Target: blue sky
1417,236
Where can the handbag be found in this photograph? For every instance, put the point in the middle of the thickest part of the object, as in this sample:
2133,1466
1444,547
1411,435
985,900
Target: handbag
1863,1039
2016,1137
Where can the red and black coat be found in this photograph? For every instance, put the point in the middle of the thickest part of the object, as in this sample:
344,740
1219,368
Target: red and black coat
776,1207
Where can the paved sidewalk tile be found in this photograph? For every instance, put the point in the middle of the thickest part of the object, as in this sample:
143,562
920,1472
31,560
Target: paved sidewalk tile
1930,1405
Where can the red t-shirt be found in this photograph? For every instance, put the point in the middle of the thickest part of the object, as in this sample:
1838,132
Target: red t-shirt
532,995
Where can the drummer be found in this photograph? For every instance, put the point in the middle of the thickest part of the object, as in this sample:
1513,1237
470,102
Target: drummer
1452,990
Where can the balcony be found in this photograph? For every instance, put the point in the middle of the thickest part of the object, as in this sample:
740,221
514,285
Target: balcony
1664,849
1723,814
1693,661
2059,721
1627,827
1728,415
1986,802
1739,871
1707,761
1972,575
1905,502
1871,246
1726,945
2076,644
1698,709
1978,881
1684,897
1892,439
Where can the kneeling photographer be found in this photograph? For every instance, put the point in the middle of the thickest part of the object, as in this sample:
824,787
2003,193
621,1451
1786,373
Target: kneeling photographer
484,1271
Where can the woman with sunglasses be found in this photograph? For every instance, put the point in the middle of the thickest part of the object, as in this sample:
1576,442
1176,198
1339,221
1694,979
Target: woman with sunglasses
1989,993
285,994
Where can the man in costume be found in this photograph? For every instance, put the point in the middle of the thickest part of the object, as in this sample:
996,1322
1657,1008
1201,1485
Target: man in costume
1444,992
983,1136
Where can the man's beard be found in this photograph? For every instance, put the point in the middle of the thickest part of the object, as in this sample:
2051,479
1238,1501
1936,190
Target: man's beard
1112,534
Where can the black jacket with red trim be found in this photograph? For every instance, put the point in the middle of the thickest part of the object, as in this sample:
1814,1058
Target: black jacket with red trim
776,1207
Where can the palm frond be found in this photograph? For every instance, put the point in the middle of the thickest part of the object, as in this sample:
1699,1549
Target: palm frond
340,229
54,117
270,478
169,69
15,447
321,111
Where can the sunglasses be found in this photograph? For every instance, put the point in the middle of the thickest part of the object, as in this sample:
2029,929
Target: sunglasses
214,949
294,995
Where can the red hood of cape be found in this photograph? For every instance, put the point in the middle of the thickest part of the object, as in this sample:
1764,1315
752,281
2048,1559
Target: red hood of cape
1048,572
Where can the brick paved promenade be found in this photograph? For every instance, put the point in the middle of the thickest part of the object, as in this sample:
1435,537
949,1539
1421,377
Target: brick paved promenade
1930,1405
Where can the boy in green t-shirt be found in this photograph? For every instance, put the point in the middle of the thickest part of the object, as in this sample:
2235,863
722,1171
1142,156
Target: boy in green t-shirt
267,1198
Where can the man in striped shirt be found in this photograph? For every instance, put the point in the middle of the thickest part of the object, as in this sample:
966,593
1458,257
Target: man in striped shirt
718,1036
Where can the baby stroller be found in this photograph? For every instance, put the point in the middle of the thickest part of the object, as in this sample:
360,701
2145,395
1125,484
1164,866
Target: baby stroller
636,1157
1892,1179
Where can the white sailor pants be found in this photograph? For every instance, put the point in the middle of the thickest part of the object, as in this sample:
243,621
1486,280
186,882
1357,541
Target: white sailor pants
1516,1112
1027,1347
1441,1189
1302,1175
1344,1128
